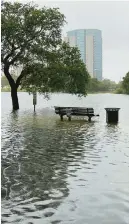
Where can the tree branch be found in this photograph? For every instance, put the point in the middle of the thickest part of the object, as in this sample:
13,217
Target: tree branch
8,76
10,54
15,58
18,81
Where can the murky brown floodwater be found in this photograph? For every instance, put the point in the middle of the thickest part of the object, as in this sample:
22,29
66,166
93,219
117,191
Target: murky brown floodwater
64,172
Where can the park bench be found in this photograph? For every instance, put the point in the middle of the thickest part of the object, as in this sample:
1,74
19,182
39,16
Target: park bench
75,111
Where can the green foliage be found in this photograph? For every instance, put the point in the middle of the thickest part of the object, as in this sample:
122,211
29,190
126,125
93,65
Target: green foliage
125,84
93,85
119,91
31,38
25,28
65,72
105,85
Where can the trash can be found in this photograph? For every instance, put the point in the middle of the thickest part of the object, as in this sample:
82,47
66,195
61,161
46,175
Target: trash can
112,115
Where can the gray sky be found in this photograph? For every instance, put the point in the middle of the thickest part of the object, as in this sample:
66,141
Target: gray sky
110,17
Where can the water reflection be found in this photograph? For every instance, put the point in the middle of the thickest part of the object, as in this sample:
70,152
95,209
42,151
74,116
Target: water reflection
39,159
64,172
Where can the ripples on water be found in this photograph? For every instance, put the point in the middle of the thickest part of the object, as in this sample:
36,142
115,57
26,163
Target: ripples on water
65,172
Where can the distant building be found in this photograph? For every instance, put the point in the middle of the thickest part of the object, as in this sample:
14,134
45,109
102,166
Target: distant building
89,42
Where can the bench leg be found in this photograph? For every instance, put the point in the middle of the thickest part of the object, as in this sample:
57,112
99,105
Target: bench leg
89,118
61,117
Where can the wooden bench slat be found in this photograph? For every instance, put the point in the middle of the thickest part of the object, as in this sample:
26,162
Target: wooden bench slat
82,111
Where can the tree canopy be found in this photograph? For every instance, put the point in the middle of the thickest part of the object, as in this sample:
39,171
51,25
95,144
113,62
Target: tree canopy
65,72
31,38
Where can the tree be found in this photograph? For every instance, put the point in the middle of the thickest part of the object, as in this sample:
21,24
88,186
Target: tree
31,39
125,83
24,27
65,72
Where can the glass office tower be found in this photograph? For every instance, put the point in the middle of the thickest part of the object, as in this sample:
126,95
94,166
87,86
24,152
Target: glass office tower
89,42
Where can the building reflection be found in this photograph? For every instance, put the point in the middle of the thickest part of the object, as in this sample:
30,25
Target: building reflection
39,154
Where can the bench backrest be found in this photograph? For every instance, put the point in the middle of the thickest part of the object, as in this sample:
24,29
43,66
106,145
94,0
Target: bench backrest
74,110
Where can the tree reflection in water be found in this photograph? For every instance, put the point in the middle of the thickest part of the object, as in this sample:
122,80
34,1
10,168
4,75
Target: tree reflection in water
35,167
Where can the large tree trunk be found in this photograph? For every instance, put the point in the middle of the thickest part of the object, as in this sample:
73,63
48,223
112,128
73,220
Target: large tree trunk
14,87
14,96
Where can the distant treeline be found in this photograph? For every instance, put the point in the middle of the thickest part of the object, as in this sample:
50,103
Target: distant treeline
4,81
95,86
123,86
105,85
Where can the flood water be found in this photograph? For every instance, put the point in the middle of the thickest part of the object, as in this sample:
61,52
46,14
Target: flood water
57,172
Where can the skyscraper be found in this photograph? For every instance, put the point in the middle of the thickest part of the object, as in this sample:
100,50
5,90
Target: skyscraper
89,42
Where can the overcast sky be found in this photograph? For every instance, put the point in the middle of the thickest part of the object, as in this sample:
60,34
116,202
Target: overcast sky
110,17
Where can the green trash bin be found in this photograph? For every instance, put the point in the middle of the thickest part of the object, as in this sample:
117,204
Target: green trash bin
112,115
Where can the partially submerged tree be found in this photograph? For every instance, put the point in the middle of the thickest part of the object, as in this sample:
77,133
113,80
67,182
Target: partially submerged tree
31,39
